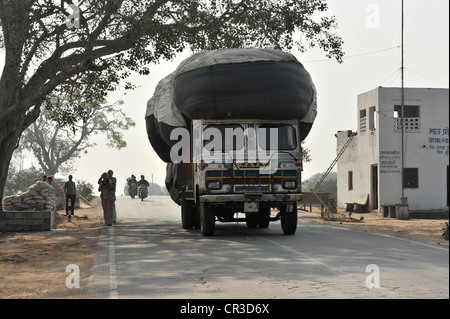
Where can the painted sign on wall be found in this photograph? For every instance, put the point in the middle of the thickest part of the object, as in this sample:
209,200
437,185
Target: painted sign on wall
390,162
438,140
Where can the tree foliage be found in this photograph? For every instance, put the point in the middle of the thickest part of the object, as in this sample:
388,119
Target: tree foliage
85,189
56,147
20,180
52,46
329,185
112,38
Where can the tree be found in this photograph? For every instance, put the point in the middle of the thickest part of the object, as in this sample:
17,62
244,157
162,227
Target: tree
50,46
86,190
306,154
56,147
20,180
329,185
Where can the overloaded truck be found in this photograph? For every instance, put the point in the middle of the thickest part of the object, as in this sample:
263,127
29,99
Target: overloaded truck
229,124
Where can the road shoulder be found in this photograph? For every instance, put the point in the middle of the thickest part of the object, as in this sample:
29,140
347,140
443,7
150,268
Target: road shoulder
427,231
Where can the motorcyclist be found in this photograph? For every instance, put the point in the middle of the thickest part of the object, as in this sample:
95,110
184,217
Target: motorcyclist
143,181
132,180
132,183
143,184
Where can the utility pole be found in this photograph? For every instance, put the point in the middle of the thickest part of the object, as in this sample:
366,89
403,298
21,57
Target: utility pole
403,112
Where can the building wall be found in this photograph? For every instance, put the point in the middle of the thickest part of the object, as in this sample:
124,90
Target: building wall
426,147
375,157
361,154
349,162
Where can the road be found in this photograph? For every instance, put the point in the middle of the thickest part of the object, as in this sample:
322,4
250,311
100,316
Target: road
147,254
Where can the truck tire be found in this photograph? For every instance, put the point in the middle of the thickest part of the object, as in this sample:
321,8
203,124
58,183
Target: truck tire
264,217
289,220
197,217
197,211
251,219
207,220
187,214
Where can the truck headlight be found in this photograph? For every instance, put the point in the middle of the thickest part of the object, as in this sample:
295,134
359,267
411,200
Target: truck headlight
213,185
290,184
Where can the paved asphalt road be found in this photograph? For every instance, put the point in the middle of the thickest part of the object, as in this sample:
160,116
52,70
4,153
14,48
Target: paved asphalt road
147,254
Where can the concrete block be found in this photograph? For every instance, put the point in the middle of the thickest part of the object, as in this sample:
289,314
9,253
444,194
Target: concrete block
402,211
26,221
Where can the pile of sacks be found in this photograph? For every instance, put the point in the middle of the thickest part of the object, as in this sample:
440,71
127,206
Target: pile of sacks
39,197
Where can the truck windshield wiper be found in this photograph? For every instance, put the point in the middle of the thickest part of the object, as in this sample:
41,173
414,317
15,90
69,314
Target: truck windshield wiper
289,154
233,160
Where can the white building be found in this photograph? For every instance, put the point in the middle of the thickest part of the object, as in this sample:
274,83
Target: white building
372,162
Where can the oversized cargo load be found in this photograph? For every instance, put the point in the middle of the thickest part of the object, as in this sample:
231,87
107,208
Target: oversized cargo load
264,89
227,84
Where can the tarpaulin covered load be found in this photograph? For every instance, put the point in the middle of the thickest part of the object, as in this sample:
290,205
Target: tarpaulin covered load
230,83
244,84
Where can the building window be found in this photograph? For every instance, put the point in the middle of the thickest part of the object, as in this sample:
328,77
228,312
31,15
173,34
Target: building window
411,178
372,119
412,118
350,180
362,121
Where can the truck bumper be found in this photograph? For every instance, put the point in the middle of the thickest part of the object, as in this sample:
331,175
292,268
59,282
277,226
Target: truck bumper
251,197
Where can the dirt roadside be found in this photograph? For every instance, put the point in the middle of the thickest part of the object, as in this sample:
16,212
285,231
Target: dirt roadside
427,231
33,265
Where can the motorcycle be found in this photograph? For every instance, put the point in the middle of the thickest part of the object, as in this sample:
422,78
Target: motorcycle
132,190
143,191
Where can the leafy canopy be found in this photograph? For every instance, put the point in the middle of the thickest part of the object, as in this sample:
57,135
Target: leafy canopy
95,44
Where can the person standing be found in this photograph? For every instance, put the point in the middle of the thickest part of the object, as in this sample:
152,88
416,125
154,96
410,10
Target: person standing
113,180
107,196
71,191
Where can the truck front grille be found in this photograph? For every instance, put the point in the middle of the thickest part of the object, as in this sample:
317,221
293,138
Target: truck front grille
252,188
250,177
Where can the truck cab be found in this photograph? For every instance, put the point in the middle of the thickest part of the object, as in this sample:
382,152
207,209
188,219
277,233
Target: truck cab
242,168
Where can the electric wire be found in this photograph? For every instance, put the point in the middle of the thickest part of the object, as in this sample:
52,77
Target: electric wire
356,55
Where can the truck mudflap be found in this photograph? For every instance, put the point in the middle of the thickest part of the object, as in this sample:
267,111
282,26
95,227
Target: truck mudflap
251,197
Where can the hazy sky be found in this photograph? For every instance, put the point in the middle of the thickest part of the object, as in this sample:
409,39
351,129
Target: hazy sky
371,30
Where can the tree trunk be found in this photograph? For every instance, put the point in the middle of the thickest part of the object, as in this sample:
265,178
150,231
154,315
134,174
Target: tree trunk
14,119
10,131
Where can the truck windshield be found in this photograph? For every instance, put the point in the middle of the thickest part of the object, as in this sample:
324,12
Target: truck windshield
286,136
230,137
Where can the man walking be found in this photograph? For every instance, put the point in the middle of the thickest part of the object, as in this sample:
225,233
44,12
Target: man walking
71,192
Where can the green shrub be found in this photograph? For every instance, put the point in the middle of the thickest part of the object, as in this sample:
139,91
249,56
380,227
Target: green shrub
85,189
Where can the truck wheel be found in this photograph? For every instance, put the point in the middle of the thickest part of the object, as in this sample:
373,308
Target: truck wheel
197,213
264,217
207,220
251,220
196,217
289,220
187,214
